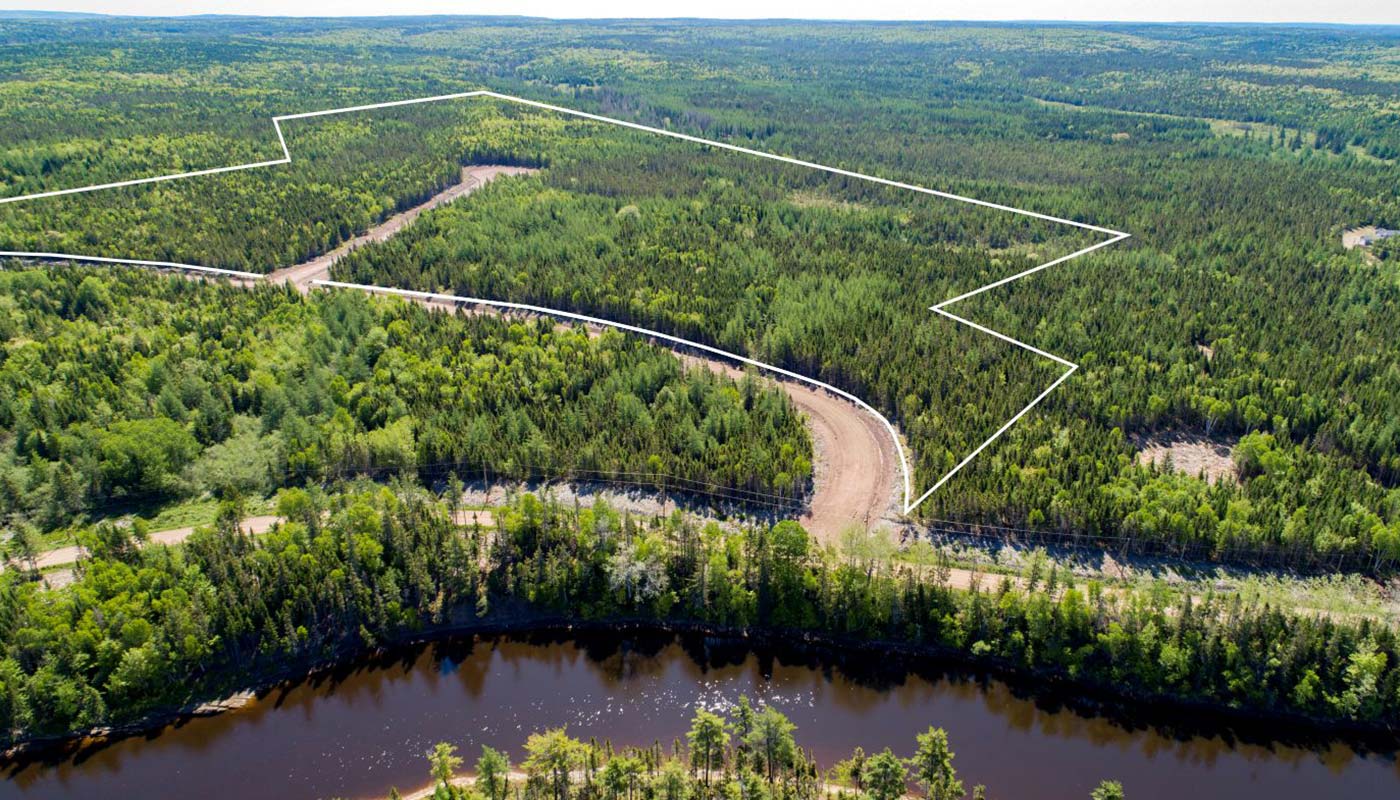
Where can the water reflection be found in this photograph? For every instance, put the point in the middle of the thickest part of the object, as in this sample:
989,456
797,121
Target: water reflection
357,730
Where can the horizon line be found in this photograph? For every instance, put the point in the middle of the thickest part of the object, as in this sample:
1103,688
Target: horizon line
38,13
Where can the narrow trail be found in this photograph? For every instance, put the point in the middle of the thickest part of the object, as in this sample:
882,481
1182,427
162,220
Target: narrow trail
253,526
319,268
67,555
58,578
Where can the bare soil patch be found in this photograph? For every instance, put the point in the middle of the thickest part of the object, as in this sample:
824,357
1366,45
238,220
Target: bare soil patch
1192,454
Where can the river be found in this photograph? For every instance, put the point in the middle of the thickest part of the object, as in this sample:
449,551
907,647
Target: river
365,728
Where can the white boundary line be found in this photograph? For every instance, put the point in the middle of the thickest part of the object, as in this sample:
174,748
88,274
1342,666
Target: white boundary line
229,273
909,505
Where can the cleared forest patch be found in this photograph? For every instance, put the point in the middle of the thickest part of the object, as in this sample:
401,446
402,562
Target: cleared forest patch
814,199
1192,454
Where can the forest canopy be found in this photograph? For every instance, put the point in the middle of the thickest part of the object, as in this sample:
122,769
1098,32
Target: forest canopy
366,565
1235,158
121,389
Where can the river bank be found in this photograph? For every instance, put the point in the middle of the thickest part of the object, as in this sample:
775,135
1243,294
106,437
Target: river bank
361,728
885,661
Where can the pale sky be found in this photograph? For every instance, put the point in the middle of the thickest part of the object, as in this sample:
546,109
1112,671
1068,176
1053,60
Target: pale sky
1334,11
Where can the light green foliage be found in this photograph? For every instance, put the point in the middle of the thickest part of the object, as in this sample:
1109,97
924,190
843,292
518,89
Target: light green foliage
143,456
771,741
647,772
247,464
493,774
884,776
444,763
674,783
552,755
1362,697
191,388
708,739
621,777
933,766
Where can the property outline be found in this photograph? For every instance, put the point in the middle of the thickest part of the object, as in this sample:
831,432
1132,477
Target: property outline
939,308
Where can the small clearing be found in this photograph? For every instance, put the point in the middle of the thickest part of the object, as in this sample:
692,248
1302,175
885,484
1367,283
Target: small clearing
812,199
1191,454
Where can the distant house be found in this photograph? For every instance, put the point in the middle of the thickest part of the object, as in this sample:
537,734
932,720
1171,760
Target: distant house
1365,237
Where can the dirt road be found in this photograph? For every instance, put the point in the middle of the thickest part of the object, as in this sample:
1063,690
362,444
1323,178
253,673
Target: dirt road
252,526
855,463
68,555
319,268
56,578
855,466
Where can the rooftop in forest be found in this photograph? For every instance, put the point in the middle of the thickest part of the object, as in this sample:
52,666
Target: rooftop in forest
1365,237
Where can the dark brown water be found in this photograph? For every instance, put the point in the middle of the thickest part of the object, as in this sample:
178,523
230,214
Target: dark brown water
360,732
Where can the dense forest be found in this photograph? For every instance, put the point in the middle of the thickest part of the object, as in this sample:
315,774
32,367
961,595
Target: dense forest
779,264
1233,318
749,751
121,390
1234,156
154,627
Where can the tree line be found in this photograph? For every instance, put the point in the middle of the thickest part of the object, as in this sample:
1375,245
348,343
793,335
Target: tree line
156,627
1232,310
123,390
748,751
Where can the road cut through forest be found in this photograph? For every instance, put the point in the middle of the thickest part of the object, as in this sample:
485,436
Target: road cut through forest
856,465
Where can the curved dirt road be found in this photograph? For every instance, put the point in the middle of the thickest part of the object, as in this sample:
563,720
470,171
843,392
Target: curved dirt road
855,465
